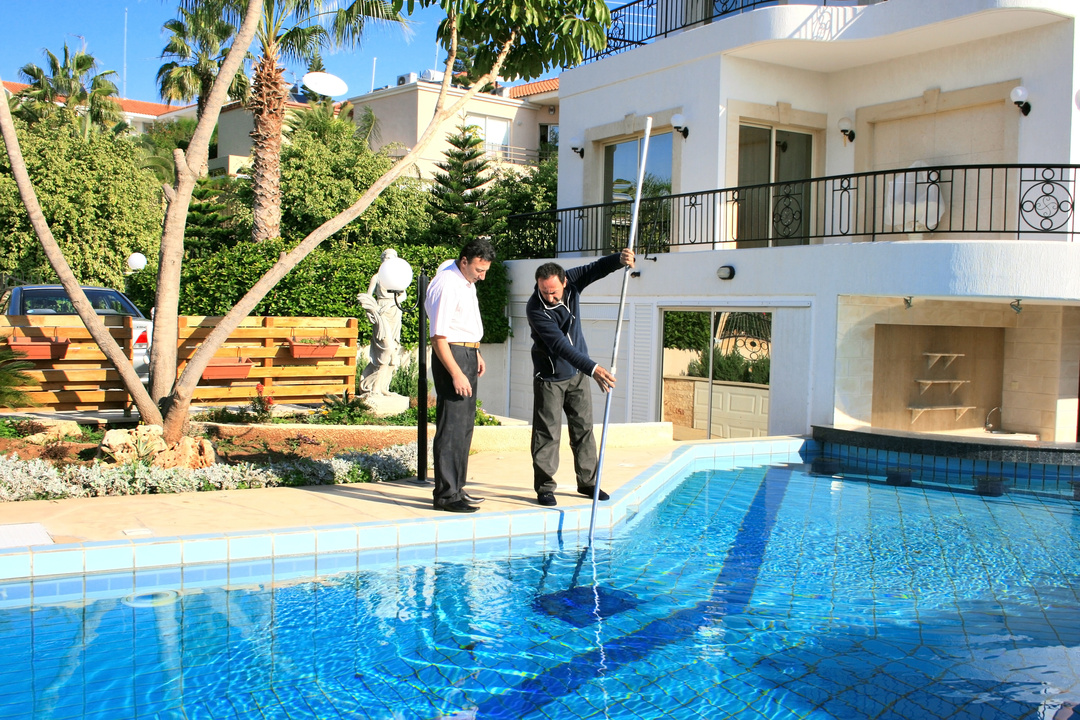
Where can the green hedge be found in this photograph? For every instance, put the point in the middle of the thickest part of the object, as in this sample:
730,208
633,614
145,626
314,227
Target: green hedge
324,284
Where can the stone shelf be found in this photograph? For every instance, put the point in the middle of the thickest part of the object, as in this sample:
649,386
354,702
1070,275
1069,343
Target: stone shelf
954,385
960,410
932,358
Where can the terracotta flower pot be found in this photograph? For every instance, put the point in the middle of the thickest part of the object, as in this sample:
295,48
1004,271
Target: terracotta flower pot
39,348
312,350
227,369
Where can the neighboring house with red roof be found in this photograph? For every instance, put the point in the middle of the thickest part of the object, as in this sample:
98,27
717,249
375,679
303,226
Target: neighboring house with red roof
515,122
139,114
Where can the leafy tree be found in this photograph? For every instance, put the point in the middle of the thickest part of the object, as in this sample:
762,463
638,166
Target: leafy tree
72,89
525,38
521,192
292,30
197,45
686,330
459,201
219,216
100,204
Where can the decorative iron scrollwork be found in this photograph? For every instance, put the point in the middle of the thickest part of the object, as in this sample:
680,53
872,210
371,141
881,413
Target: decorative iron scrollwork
787,211
1047,203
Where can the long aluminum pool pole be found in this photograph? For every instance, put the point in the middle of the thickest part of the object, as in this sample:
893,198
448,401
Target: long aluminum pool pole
631,241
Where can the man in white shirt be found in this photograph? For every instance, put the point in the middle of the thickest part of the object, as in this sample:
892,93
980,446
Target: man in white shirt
456,364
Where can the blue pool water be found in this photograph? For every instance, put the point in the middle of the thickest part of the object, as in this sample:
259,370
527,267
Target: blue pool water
760,592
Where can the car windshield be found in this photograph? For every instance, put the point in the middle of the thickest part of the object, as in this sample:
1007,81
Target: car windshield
53,301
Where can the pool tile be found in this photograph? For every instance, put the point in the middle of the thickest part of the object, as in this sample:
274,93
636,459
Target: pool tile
422,532
14,566
527,522
451,531
492,526
157,554
57,562
378,536
336,539
294,543
206,550
249,547
104,557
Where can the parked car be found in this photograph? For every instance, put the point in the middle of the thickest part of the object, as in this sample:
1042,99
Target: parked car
52,300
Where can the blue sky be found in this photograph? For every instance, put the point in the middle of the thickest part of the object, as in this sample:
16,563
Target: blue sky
32,25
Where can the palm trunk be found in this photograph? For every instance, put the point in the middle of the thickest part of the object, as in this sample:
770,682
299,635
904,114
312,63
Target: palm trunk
268,92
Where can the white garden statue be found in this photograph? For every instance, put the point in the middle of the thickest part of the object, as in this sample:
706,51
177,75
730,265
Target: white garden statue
384,313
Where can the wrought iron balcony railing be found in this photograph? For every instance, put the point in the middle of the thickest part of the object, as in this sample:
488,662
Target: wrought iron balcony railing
977,201
642,21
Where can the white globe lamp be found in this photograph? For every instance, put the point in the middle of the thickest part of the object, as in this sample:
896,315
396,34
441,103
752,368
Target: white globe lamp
395,275
136,261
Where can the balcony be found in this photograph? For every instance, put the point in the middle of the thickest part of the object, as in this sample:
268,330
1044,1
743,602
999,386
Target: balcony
640,22
992,202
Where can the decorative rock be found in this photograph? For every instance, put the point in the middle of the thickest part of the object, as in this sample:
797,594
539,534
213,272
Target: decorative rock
386,405
55,430
189,453
126,446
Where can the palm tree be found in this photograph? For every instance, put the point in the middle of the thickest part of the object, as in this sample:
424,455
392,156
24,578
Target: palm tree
293,30
69,88
197,47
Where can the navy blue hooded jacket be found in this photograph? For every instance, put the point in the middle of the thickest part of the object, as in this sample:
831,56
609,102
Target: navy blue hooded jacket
559,351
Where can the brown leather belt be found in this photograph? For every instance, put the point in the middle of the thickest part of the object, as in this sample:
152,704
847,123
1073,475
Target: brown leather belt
468,345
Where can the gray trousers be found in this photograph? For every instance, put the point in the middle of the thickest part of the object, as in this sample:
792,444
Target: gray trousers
454,420
550,401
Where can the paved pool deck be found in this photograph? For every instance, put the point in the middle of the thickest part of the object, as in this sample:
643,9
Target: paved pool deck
504,477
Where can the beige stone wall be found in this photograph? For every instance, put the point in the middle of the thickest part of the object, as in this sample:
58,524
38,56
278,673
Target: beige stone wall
1041,369
678,402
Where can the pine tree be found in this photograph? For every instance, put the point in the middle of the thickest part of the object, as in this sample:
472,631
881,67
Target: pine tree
460,203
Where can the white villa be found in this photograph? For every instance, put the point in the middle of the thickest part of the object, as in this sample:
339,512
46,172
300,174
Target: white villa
893,182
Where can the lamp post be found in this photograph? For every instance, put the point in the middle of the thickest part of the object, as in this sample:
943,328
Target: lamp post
395,275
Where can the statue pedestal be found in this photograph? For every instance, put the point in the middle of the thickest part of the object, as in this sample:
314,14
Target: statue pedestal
386,405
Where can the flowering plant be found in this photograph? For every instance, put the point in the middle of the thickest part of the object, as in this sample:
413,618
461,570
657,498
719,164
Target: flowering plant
261,405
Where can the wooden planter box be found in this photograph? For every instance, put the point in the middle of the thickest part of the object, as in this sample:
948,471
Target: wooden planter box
311,350
227,369
39,348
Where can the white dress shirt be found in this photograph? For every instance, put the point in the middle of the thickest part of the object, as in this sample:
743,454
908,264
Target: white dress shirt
452,307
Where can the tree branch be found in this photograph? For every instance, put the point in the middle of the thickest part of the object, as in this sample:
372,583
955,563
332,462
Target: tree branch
101,335
185,386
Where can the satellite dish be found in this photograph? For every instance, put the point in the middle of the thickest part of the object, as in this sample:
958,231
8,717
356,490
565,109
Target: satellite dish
913,200
325,83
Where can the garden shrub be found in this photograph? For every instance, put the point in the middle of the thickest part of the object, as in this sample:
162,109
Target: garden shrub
730,367
40,480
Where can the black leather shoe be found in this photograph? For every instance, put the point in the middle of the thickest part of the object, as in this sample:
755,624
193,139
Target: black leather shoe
472,500
587,492
546,499
456,506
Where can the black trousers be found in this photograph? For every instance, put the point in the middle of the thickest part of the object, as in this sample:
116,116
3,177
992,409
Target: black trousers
550,401
454,420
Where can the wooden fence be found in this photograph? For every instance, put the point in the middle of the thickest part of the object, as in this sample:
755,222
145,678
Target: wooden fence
79,377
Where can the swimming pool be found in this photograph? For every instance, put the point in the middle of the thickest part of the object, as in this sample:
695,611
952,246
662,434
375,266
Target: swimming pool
755,592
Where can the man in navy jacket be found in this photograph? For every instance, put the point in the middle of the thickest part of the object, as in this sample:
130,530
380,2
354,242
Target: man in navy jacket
561,371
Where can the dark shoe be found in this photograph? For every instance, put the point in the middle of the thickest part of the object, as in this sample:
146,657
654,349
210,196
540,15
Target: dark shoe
456,506
587,492
472,500
546,499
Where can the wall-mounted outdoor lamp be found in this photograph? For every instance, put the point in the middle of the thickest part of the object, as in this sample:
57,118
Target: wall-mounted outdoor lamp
678,124
725,272
1019,96
845,128
907,302
551,109
578,145
1015,305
